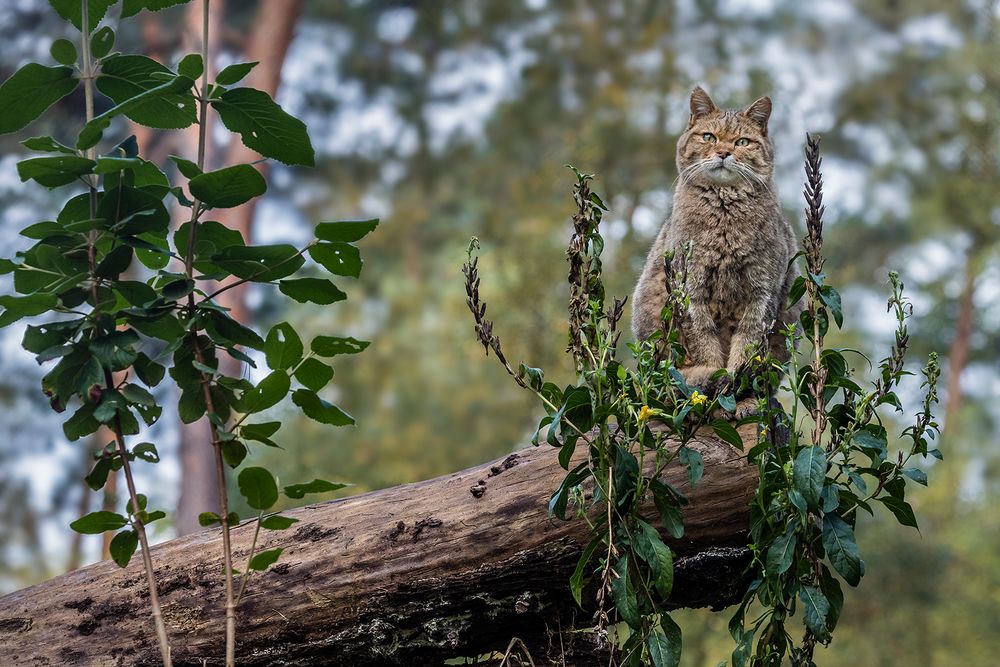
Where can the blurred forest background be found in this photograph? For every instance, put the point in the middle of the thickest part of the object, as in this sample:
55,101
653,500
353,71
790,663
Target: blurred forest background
449,120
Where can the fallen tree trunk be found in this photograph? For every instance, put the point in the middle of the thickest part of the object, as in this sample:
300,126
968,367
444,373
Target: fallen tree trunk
410,575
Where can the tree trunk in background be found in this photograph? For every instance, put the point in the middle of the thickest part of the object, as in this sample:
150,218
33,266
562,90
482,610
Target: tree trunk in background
267,43
958,354
412,575
198,492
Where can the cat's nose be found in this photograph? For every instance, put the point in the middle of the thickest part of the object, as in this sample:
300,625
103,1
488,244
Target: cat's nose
723,153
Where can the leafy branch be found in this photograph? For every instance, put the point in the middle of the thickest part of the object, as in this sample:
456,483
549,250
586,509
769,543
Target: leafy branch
635,423
117,336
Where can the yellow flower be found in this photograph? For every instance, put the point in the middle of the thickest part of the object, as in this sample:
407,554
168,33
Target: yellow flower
759,359
697,398
645,413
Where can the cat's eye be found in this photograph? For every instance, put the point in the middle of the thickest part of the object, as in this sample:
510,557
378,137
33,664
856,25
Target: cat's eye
709,137
742,141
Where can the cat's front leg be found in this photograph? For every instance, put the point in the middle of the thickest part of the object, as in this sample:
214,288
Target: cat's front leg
703,347
749,333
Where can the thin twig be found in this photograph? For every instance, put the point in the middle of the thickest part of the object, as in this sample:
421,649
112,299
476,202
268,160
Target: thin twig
140,529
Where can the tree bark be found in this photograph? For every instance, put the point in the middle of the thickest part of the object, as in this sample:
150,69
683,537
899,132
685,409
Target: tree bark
412,575
958,353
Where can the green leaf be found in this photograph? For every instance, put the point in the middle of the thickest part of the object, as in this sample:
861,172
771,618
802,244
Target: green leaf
916,474
345,231
234,73
191,66
340,259
694,462
136,395
831,298
841,548
314,374
81,423
146,451
900,509
311,290
260,263
150,372
208,519
664,643
228,187
258,487
282,347
101,42
133,7
122,546
98,522
657,555
225,328
623,593
816,608
63,52
98,476
264,559
30,91
727,433
874,446
297,491
834,595
47,145
728,403
797,290
809,473
233,452
72,11
55,171
330,346
128,78
264,126
576,580
156,107
267,393
114,263
782,552
316,408
16,307
188,168
670,514
260,432
277,522
115,351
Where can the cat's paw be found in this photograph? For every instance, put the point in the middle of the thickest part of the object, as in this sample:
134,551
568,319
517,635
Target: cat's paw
698,376
744,408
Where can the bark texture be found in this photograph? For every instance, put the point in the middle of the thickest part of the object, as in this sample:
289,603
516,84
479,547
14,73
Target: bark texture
411,575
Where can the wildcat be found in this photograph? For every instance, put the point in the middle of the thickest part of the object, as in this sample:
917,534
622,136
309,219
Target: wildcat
739,275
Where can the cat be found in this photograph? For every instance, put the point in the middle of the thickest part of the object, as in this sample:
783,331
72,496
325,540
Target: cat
739,275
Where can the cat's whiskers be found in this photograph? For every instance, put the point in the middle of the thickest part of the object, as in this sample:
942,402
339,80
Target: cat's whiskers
752,176
691,170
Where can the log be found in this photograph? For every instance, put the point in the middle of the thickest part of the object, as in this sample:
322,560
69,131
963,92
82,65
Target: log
411,575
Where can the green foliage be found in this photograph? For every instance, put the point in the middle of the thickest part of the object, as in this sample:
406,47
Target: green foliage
127,300
30,91
634,423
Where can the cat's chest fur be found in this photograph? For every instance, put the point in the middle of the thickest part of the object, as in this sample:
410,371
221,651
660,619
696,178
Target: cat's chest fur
734,249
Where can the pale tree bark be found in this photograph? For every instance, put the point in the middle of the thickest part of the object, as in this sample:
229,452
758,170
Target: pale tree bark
267,43
413,575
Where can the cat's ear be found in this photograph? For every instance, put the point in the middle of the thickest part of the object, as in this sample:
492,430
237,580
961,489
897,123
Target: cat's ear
701,104
759,112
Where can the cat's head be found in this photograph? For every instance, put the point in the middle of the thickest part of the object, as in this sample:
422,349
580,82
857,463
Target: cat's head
726,146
